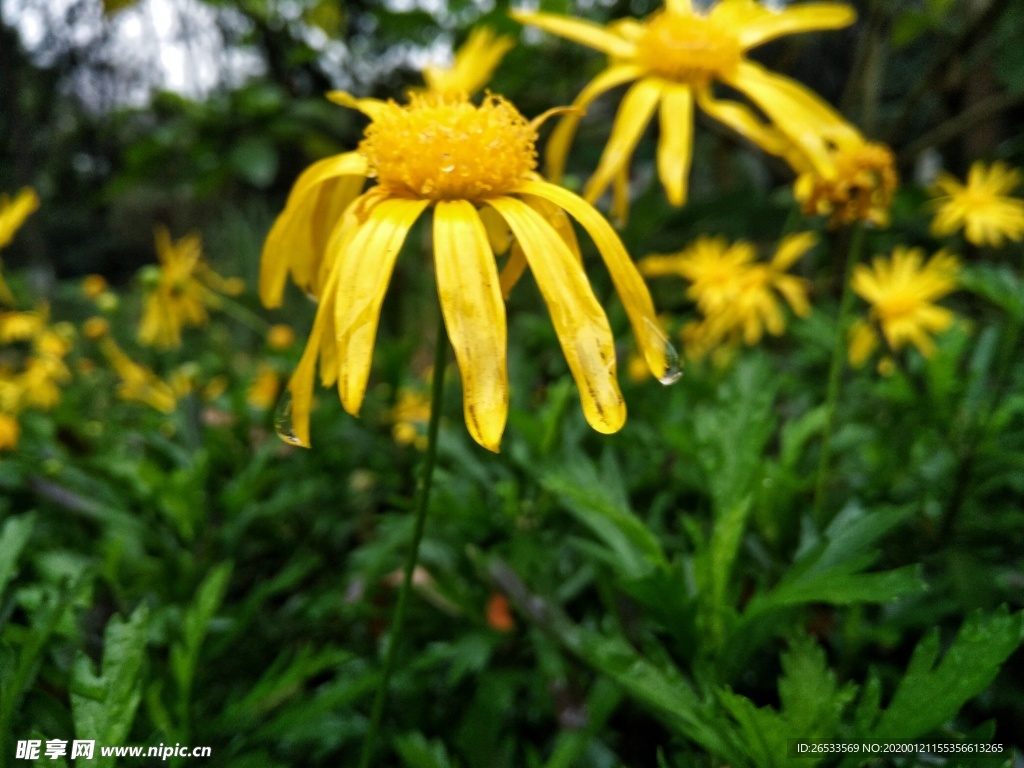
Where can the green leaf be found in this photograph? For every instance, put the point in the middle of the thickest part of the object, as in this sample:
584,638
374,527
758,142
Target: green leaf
13,537
598,502
417,752
103,706
932,693
812,701
185,653
255,160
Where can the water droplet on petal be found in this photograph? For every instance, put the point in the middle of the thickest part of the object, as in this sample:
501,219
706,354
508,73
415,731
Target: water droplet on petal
673,369
447,166
283,420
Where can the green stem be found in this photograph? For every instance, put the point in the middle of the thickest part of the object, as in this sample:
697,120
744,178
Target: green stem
242,314
834,373
423,496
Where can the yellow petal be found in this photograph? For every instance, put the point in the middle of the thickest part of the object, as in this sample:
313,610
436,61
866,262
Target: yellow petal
675,147
797,112
474,64
792,248
474,315
634,113
629,284
767,25
369,107
498,233
579,321
681,7
291,244
513,270
14,212
364,271
561,138
584,32
862,342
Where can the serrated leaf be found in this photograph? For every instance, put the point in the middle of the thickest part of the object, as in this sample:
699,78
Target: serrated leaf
812,701
103,706
932,692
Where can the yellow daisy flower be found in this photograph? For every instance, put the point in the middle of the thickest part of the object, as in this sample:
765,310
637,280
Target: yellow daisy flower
262,393
10,431
459,159
12,215
299,236
982,207
901,292
673,58
858,186
409,417
138,383
178,291
737,295
280,337
31,378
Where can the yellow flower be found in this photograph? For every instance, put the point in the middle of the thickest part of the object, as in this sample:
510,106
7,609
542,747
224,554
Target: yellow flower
901,292
179,290
31,378
262,393
96,328
10,431
93,286
320,195
410,416
675,57
737,296
22,326
474,64
280,337
460,159
981,207
138,383
12,215
859,185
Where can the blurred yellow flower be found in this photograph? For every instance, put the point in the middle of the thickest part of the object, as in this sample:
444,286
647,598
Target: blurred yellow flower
737,295
280,337
93,286
982,207
138,383
409,417
676,56
902,291
179,290
96,328
10,431
448,154
31,378
264,389
12,215
858,186
474,64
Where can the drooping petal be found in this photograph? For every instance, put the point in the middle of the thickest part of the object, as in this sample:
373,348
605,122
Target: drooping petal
300,386
862,341
513,270
801,115
792,248
584,32
579,321
629,284
561,138
681,7
364,271
474,314
634,114
290,245
743,121
675,146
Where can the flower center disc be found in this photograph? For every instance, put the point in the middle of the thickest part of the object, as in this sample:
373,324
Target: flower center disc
441,148
687,49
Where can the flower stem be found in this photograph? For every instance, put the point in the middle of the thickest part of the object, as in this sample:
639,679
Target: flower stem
834,373
423,496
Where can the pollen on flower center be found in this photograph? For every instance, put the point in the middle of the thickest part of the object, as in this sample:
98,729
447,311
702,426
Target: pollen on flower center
448,148
687,49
